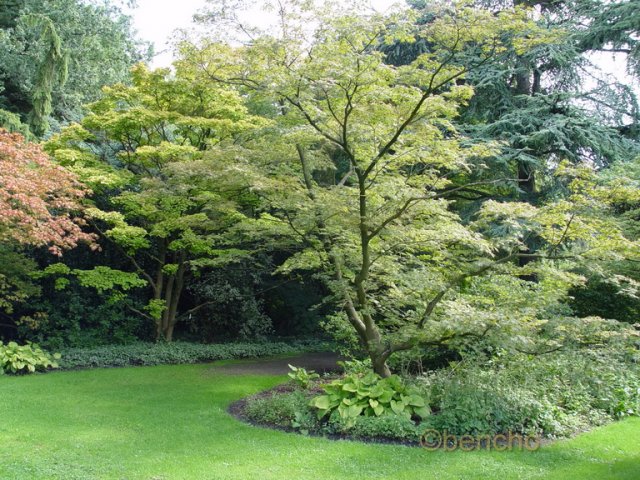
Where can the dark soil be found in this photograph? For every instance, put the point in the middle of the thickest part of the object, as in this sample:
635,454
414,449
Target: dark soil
325,362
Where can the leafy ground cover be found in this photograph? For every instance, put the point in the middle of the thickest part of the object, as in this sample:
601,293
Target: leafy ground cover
149,353
171,422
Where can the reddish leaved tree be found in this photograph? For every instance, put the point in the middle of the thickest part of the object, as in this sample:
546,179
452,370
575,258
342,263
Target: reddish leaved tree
39,200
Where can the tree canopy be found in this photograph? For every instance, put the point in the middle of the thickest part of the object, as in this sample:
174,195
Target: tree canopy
55,55
370,172
441,177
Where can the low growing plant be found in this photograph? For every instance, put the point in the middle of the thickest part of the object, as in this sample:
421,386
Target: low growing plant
358,367
369,395
27,358
301,377
147,353
384,427
554,395
282,409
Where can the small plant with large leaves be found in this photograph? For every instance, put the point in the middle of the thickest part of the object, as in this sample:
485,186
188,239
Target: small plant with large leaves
301,376
369,395
28,358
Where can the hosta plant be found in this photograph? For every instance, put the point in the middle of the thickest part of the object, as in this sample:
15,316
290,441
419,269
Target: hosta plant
301,376
28,358
369,395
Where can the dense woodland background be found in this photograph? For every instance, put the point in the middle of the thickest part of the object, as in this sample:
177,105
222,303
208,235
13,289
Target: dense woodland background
194,179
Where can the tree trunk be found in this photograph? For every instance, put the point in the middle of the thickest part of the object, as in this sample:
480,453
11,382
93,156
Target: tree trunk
164,320
362,322
379,362
159,286
172,315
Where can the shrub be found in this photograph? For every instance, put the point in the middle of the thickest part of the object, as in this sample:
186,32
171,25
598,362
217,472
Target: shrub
292,410
384,427
554,395
146,353
78,317
281,409
369,395
28,358
474,403
233,307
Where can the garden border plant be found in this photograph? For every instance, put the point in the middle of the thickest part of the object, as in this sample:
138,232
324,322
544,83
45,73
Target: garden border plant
29,358
571,392
149,353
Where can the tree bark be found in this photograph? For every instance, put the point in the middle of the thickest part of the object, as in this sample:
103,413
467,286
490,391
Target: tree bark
363,323
174,301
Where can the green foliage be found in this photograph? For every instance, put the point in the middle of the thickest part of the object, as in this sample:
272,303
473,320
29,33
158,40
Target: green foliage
476,405
16,282
369,395
615,25
104,278
232,306
301,377
178,353
55,56
357,367
386,427
53,69
280,409
556,394
292,410
605,299
101,278
28,358
12,123
181,178
79,318
377,190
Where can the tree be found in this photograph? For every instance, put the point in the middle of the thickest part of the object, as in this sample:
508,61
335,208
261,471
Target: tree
542,103
613,288
175,198
40,206
615,28
365,170
40,202
55,55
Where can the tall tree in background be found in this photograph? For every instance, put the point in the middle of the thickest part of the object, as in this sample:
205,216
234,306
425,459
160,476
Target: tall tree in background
549,102
55,55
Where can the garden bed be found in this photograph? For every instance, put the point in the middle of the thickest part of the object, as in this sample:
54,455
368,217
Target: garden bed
238,410
544,398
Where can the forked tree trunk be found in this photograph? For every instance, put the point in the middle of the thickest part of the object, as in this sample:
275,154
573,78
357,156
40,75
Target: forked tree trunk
363,323
169,289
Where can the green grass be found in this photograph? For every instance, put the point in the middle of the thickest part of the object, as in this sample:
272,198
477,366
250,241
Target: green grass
169,422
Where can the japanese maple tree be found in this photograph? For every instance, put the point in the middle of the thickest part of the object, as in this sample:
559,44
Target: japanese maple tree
40,201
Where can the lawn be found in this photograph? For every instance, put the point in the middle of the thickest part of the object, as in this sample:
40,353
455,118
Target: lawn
170,422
